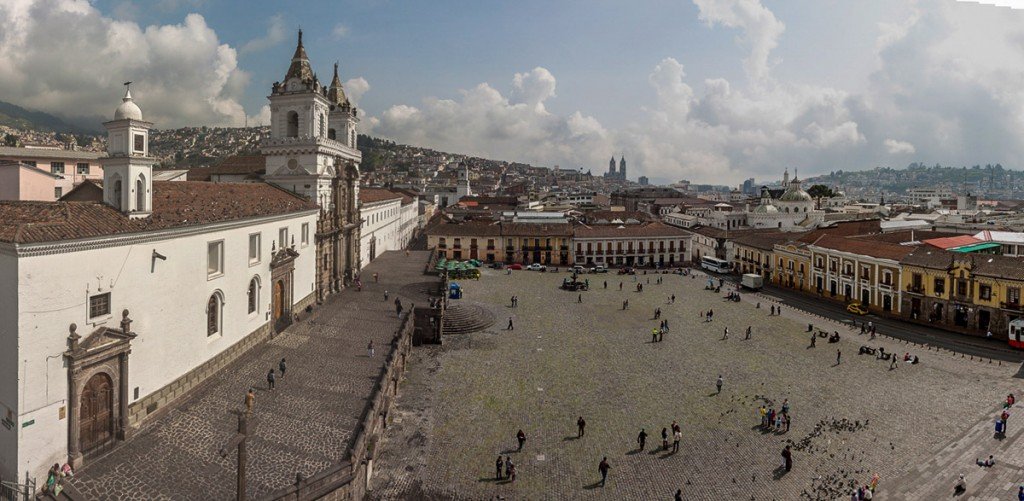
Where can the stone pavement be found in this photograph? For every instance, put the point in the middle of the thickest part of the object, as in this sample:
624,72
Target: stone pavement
463,402
302,426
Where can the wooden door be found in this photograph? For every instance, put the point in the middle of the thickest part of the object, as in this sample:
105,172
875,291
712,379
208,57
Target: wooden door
278,300
97,412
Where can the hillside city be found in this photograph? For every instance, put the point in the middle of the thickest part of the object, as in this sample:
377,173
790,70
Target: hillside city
303,311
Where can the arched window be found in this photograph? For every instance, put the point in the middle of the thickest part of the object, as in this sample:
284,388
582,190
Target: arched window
117,193
254,294
140,193
293,124
214,314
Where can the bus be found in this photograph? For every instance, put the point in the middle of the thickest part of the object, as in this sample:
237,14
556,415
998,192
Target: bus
1017,333
714,264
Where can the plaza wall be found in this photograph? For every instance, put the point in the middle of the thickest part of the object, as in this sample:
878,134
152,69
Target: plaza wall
349,479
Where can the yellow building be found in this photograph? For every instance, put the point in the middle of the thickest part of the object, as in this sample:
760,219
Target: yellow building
793,265
494,241
971,293
755,253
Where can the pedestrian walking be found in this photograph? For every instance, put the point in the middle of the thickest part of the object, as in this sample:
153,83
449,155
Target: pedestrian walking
749,329
620,286
641,438
579,299
772,310
385,295
676,437
497,468
508,466
398,306
661,334
512,473
839,356
521,437
654,335
789,420
603,467
892,364
814,339
282,366
375,277
510,326
763,412
778,310
369,349
250,400
718,384
673,299
787,458
270,379
664,439
726,335
581,427
679,494
605,284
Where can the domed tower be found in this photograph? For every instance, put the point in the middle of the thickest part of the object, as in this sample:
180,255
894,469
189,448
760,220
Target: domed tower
128,168
795,199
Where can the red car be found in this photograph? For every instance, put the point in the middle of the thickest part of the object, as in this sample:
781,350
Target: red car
515,266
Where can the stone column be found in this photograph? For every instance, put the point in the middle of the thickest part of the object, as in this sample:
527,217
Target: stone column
74,407
122,404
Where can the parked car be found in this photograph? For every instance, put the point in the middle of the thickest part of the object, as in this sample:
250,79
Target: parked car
856,308
579,270
537,267
515,266
599,269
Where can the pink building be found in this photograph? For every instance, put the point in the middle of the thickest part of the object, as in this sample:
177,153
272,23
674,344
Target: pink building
45,174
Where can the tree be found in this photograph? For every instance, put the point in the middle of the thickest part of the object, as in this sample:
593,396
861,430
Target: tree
818,192
11,140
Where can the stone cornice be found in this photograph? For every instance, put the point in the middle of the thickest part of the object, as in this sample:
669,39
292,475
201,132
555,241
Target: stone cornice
69,246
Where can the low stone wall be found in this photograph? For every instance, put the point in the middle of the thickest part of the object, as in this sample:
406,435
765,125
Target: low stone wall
350,478
432,263
159,402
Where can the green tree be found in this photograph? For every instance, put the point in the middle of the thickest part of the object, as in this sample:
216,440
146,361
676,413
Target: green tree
818,192
11,140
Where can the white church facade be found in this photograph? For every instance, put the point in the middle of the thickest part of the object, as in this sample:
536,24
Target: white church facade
115,305
793,210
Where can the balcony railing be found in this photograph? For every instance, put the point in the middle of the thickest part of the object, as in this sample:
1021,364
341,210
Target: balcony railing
916,289
1011,306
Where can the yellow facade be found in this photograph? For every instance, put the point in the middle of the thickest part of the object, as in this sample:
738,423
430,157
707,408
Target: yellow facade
793,266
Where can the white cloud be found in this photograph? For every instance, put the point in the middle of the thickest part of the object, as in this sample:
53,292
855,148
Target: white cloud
355,88
183,74
483,121
899,147
761,30
339,31
275,35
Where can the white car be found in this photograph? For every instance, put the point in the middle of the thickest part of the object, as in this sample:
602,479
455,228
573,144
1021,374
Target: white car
599,269
537,267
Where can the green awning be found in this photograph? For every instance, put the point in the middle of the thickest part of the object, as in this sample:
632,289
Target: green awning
977,247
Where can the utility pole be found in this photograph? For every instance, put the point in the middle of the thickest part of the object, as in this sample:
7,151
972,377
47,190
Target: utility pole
238,441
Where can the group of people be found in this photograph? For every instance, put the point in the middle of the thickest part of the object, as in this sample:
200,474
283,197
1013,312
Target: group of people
778,420
866,493
708,315
55,478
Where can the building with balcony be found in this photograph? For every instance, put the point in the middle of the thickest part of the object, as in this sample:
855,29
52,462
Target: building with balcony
969,293
862,269
648,244
755,253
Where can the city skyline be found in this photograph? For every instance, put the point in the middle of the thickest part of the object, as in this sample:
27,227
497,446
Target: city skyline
704,90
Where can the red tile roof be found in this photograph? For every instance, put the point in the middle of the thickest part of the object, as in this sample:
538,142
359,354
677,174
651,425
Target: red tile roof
370,195
864,247
176,204
952,242
651,230
255,165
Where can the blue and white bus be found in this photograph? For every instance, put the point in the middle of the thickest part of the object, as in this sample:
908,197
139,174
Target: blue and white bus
714,264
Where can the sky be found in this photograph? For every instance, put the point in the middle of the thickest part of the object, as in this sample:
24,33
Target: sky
711,91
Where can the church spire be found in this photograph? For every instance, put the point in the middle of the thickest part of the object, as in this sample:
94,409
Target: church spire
336,94
300,67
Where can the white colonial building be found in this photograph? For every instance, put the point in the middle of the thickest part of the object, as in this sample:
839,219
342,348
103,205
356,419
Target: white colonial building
390,220
793,210
112,307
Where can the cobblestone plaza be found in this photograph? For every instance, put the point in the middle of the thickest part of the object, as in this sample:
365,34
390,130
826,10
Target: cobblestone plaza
463,402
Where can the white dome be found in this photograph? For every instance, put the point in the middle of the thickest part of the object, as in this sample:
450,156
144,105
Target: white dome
766,209
128,109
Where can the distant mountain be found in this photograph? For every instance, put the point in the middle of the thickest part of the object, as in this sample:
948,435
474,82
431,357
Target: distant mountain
17,117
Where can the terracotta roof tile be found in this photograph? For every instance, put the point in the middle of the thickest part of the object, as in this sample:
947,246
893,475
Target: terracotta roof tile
864,247
176,204
649,230
371,195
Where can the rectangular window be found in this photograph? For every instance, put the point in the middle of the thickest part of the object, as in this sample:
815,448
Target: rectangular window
254,248
916,281
961,287
1013,295
58,192
82,168
985,291
140,143
215,258
99,305
305,234
940,286
56,167
282,237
